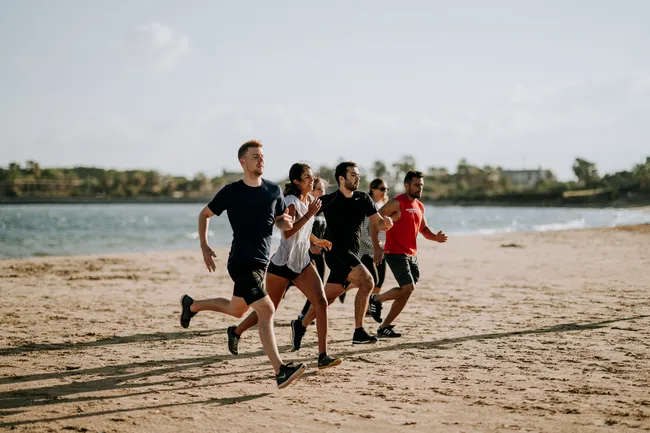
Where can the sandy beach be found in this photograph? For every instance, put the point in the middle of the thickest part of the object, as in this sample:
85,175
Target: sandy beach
545,331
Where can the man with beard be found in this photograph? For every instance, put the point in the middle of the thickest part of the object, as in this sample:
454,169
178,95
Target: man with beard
345,210
254,206
400,250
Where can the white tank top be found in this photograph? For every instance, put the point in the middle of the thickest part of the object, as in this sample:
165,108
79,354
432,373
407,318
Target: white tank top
294,252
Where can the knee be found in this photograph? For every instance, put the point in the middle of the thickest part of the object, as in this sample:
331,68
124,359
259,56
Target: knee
239,313
320,303
366,284
407,290
265,312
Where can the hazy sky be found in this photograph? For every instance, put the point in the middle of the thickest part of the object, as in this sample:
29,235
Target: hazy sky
179,86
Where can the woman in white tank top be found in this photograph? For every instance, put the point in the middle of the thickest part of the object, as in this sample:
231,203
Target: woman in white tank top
291,261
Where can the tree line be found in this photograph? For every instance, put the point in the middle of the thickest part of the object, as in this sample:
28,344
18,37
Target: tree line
468,182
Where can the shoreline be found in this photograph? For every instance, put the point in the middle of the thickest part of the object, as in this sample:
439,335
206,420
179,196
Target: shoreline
632,203
632,228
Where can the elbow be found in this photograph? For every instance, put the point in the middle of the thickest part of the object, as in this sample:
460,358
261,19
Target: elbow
205,213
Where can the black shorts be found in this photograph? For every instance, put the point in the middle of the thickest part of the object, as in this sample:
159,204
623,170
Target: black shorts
249,280
405,268
284,271
378,272
341,264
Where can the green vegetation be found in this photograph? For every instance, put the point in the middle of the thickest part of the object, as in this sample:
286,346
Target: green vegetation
473,184
469,184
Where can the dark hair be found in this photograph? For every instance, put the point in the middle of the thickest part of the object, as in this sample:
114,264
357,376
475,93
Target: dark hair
249,144
295,173
412,174
342,170
374,185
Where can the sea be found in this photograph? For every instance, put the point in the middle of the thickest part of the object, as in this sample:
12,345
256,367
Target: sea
70,229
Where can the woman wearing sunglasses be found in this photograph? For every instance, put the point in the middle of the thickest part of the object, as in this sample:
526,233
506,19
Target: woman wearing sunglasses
379,192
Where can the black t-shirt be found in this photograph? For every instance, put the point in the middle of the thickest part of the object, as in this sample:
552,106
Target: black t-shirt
251,212
344,218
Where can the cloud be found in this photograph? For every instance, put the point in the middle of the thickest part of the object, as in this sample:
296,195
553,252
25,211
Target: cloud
604,121
157,45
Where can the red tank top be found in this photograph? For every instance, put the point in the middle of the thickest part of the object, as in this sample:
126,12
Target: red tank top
402,237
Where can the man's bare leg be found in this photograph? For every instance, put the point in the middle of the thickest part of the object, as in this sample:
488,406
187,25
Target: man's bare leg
400,296
275,288
360,277
265,309
235,307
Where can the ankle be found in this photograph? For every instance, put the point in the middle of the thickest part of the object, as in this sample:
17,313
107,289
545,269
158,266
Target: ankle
322,355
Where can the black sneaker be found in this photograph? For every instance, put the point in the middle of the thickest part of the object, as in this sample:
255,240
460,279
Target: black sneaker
362,337
375,309
388,332
327,361
233,340
297,332
288,373
186,314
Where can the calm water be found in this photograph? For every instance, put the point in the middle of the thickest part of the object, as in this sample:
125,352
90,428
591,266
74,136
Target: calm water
38,230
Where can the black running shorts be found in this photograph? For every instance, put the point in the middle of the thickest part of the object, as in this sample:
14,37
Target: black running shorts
249,280
284,271
341,264
405,268
378,272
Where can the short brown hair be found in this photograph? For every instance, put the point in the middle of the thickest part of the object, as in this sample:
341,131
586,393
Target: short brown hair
249,144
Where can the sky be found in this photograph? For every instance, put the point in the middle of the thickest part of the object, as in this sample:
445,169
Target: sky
178,86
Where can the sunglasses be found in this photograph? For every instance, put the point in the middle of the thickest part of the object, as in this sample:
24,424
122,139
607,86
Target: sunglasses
383,189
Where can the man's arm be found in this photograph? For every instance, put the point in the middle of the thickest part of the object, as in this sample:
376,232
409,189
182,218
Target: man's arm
428,234
208,253
381,223
284,221
383,219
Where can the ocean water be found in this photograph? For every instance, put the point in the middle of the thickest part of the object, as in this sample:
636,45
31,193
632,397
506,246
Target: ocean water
43,230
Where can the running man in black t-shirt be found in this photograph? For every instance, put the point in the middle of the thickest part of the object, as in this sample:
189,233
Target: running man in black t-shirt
345,210
254,206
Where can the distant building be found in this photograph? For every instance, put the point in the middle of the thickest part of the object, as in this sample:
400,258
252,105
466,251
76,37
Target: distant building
232,176
527,177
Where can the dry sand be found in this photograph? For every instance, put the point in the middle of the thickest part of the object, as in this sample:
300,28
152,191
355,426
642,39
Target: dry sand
520,332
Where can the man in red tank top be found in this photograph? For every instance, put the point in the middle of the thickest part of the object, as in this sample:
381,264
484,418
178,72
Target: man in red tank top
407,213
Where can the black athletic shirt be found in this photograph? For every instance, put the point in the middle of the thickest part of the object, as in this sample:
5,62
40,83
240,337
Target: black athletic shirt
344,217
251,212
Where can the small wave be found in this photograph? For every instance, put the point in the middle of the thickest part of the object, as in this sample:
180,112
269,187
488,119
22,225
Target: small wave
573,224
195,235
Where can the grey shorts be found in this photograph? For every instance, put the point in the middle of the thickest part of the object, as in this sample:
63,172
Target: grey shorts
405,268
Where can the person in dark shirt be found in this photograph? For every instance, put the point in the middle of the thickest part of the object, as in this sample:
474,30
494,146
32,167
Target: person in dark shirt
254,206
291,262
344,211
